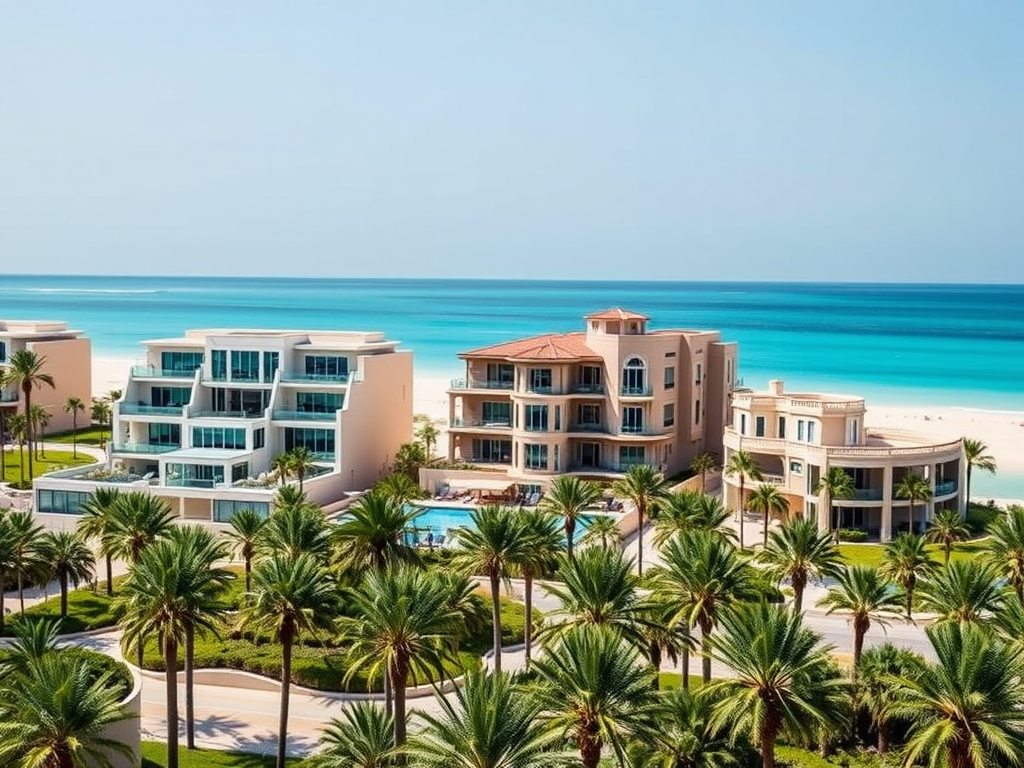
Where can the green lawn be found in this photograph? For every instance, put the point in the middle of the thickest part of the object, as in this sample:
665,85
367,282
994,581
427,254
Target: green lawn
871,554
154,755
86,436
86,609
54,460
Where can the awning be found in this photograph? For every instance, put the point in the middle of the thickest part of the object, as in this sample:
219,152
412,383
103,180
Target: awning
479,485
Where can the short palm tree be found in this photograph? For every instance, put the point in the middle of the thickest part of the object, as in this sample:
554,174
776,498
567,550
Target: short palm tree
539,557
74,406
966,710
96,523
569,497
400,487
55,712
300,462
363,737
977,456
836,483
703,576
297,529
17,425
26,370
799,552
867,597
99,414
947,528
400,624
905,560
594,689
1005,547
40,417
372,532
428,434
964,591
137,520
687,511
69,559
492,546
601,531
490,724
913,488
781,680
27,535
702,464
245,537
742,465
874,689
685,736
282,464
290,597
770,502
645,487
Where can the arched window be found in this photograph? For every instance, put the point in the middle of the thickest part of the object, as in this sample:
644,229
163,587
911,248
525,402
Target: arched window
634,377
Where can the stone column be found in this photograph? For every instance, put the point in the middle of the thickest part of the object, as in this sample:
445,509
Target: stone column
885,533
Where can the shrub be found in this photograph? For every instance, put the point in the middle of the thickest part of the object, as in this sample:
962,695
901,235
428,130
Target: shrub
853,535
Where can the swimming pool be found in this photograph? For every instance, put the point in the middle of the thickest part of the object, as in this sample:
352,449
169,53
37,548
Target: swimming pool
440,521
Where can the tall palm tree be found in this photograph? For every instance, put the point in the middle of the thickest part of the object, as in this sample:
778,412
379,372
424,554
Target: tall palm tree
54,713
538,557
372,532
96,523
799,552
290,596
977,456
74,406
40,418
702,464
490,724
770,502
964,591
428,434
601,531
1005,547
914,488
645,487
703,576
905,560
27,536
363,737
781,680
866,596
137,520
245,537
966,710
875,691
69,559
594,689
742,465
26,370
8,559
400,623
685,736
300,462
492,545
297,529
100,413
569,497
687,511
946,529
836,483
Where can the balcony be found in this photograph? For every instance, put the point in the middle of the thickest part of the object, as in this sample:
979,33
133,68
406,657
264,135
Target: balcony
634,431
586,389
480,384
320,378
481,424
226,415
9,397
599,429
149,372
770,479
606,466
305,415
946,488
147,448
189,482
490,460
140,409
644,391
866,494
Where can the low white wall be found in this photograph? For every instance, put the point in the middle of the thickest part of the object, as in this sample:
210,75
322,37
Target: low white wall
128,732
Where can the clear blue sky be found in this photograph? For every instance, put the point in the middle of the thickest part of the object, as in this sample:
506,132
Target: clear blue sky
852,140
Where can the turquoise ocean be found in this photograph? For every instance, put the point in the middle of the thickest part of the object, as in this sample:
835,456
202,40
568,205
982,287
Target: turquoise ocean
929,345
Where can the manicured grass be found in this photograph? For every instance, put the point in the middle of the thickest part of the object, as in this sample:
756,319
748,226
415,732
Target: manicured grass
795,757
871,554
154,755
86,609
54,460
669,680
86,436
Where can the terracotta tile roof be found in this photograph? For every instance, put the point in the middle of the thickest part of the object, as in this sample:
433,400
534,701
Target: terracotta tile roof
550,346
617,313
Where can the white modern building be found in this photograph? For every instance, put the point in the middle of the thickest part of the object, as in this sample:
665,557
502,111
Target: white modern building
201,422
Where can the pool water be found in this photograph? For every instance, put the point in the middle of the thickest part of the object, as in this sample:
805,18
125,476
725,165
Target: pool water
441,521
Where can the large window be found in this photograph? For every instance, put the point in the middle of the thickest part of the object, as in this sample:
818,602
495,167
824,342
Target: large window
182,362
497,413
320,442
318,402
632,419
539,380
245,366
194,475
259,438
631,455
3,351
169,397
218,437
492,451
536,418
224,510
535,456
165,434
588,415
591,379
634,378
670,377
249,401
219,364
782,427
239,471
61,502
500,373
669,415
328,366
759,426
271,361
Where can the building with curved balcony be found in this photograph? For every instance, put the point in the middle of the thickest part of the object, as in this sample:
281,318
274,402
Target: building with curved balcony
795,438
592,403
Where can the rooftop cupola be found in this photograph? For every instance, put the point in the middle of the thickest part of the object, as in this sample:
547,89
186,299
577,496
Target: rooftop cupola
617,322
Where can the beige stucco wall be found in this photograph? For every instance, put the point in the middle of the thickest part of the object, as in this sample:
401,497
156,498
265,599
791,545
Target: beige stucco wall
69,361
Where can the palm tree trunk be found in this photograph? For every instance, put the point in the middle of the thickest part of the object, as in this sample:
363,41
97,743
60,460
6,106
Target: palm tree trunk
21,587
911,516
799,582
401,673
286,686
767,749
171,683
190,702
640,540
764,542
654,654
63,595
883,738
742,505
389,696
74,434
528,600
910,599
590,750
860,629
28,428
141,650
110,577
705,648
248,574
21,463
3,448
496,618
967,501
685,659
570,529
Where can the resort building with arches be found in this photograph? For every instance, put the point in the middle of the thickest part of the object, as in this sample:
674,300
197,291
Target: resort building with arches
795,438
592,403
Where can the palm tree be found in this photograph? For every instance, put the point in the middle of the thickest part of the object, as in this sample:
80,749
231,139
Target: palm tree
568,497
74,406
769,501
645,487
976,454
100,414
428,434
905,560
290,596
8,558
33,639
245,536
490,724
685,736
297,529
363,737
40,418
702,464
300,462
96,523
26,370
743,465
914,488
782,677
54,713
946,529
282,464
964,591
689,511
874,685
137,520
799,552
538,558
594,689
408,459
703,576
69,558
17,425
966,710
867,597
602,531
400,488
372,532
400,622
26,538
1005,548
836,483
492,545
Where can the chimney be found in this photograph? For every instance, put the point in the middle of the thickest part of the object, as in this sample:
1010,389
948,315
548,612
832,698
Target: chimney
775,386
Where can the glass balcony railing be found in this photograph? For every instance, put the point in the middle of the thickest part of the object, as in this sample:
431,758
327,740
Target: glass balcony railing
327,378
587,389
305,415
480,384
226,415
867,494
189,482
593,428
494,424
604,466
149,372
944,489
134,409
491,460
144,448
644,391
641,431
